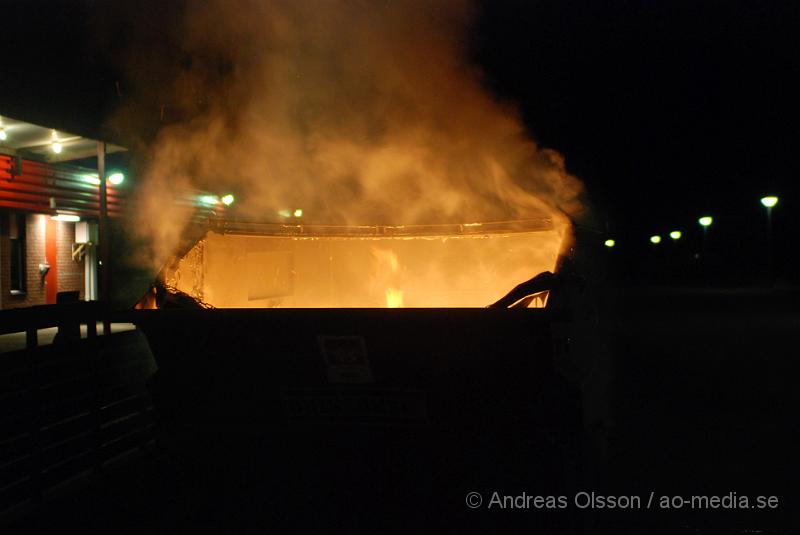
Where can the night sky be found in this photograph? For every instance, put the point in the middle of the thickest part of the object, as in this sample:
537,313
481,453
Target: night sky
667,110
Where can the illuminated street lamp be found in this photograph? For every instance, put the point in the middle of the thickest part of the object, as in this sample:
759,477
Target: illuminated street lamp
116,178
228,199
675,235
705,222
769,203
609,243
655,239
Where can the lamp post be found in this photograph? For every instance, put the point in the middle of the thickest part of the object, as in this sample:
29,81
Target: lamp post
769,203
705,222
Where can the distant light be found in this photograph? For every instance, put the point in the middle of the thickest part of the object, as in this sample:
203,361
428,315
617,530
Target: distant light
770,201
655,239
298,213
706,220
228,199
675,234
116,178
284,213
3,134
92,179
66,217
610,243
209,199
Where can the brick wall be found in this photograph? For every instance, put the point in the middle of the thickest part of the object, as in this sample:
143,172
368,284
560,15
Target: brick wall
70,273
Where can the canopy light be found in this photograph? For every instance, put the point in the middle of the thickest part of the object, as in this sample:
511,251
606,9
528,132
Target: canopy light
706,220
3,134
116,178
770,201
298,213
228,199
72,218
609,243
209,200
675,234
655,239
55,146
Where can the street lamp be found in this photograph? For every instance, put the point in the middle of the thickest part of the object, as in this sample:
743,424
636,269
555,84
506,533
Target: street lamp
609,243
705,222
655,239
675,235
769,203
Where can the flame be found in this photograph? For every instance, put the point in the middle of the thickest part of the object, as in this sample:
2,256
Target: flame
148,300
394,298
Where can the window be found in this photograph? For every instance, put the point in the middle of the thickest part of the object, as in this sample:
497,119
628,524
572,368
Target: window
18,271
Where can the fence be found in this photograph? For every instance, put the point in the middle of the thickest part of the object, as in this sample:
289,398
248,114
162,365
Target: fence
72,409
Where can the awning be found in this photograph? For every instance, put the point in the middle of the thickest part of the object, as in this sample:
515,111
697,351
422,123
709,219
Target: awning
42,142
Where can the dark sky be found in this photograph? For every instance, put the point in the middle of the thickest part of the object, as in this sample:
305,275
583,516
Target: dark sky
666,109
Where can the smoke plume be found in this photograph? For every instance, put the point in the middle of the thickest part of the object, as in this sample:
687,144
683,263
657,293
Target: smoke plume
355,111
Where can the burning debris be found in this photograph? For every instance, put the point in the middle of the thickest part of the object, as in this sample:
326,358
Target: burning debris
160,296
272,266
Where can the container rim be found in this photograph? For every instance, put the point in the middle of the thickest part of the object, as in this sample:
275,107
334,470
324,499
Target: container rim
245,227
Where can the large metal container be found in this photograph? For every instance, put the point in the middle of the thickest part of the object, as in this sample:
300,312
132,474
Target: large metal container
368,414
304,381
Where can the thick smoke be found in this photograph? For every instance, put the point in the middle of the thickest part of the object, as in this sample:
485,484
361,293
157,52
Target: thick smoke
358,112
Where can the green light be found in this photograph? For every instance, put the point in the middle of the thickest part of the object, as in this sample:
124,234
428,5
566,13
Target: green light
116,178
706,220
655,239
769,201
675,234
209,199
298,213
228,199
610,243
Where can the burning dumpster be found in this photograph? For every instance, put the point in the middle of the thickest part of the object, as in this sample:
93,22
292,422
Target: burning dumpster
317,392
